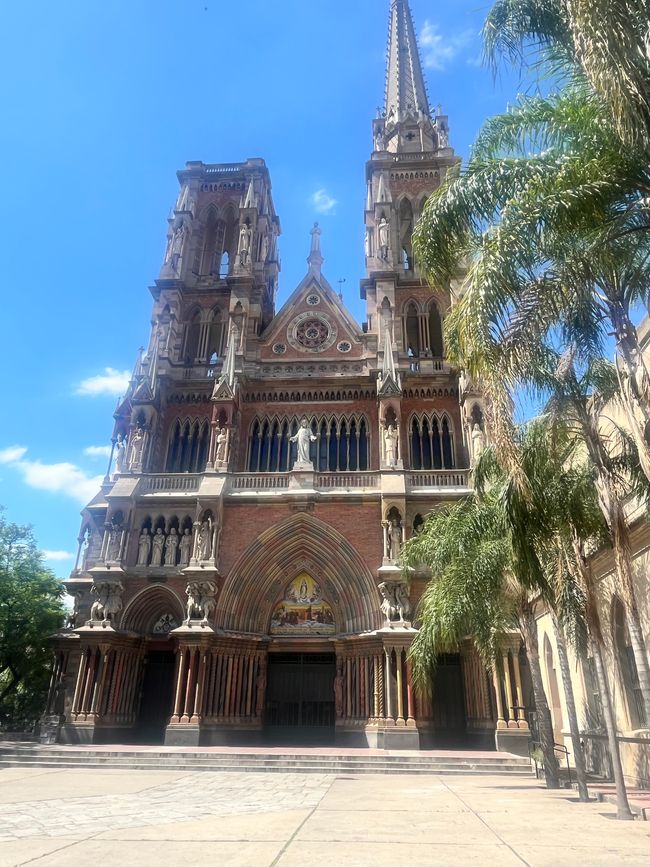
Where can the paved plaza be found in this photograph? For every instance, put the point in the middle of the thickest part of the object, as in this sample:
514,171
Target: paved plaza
52,817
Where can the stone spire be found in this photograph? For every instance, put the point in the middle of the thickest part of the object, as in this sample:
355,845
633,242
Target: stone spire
406,92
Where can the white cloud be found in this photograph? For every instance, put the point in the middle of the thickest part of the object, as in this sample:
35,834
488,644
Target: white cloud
323,203
439,51
98,451
57,555
111,381
11,454
62,478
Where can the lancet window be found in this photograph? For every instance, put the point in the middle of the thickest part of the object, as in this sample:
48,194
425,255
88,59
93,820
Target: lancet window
432,442
341,444
215,243
205,336
187,449
422,330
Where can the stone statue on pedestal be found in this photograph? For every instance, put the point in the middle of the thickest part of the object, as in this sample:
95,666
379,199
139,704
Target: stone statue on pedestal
394,540
137,445
185,546
304,437
201,600
384,238
391,438
171,547
157,547
108,603
478,442
120,454
144,547
245,236
222,442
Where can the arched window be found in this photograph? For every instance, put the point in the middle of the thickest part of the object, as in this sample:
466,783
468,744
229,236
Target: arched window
213,243
627,665
192,338
447,445
432,443
435,331
406,233
188,444
216,335
416,445
412,331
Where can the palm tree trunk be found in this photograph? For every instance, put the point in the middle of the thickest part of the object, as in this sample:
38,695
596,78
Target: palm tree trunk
597,644
622,804
528,627
572,714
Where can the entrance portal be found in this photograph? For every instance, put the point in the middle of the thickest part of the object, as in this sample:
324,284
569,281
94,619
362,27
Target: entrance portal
300,697
157,696
449,718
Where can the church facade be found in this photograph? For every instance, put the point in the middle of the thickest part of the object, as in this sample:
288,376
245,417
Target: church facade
238,574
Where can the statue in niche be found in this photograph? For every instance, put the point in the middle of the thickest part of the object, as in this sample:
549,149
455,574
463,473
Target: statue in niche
245,235
201,600
144,547
304,437
120,454
157,547
264,255
394,539
389,603
114,544
338,689
185,546
478,442
443,136
178,241
108,603
204,540
222,442
391,439
73,616
402,601
171,547
137,445
384,238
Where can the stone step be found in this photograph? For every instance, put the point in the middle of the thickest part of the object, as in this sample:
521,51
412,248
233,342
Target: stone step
303,768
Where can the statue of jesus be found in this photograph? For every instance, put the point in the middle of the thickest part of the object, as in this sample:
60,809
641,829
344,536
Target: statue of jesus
304,437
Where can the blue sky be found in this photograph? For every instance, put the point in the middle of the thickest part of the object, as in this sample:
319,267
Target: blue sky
103,102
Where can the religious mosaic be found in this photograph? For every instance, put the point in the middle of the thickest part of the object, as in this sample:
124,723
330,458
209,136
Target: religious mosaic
303,610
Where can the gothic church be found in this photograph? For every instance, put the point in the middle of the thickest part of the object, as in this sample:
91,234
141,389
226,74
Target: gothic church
238,576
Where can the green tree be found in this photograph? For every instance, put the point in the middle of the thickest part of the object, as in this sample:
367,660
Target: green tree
31,609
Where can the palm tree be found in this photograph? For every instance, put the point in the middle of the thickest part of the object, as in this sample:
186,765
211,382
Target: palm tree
477,591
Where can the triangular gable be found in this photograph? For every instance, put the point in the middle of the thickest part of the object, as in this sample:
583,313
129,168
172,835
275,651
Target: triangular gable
313,309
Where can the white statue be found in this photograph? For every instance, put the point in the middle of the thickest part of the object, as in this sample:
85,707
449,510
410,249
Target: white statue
144,547
222,440
304,437
201,600
245,235
315,233
384,238
264,255
443,136
178,241
389,602
114,546
171,547
137,445
157,547
391,438
403,602
478,442
394,539
109,600
120,454
366,245
185,547
204,541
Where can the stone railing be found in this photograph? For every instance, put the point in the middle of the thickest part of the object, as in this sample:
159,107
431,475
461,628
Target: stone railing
259,482
330,481
170,483
438,479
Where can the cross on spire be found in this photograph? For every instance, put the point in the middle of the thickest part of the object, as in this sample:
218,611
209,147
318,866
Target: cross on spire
406,90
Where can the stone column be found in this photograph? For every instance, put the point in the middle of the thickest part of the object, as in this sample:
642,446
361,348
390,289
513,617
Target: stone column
501,720
388,681
508,685
400,692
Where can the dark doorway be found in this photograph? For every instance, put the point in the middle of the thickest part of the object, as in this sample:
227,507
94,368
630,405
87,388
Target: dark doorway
300,698
449,717
157,696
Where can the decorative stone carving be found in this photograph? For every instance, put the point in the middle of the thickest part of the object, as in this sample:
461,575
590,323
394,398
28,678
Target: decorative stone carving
185,547
120,454
338,688
108,602
383,231
478,442
304,437
201,600
222,446
394,539
391,440
204,540
137,447
171,547
396,606
72,620
264,254
157,547
245,235
114,544
144,547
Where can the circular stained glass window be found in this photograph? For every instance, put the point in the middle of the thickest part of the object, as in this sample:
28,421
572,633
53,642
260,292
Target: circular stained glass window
311,333
279,348
313,300
344,346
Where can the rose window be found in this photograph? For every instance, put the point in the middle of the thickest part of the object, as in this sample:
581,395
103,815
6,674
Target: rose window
312,333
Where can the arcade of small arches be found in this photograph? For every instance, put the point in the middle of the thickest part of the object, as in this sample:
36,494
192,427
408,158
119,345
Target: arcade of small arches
205,335
422,330
342,443
432,442
188,446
